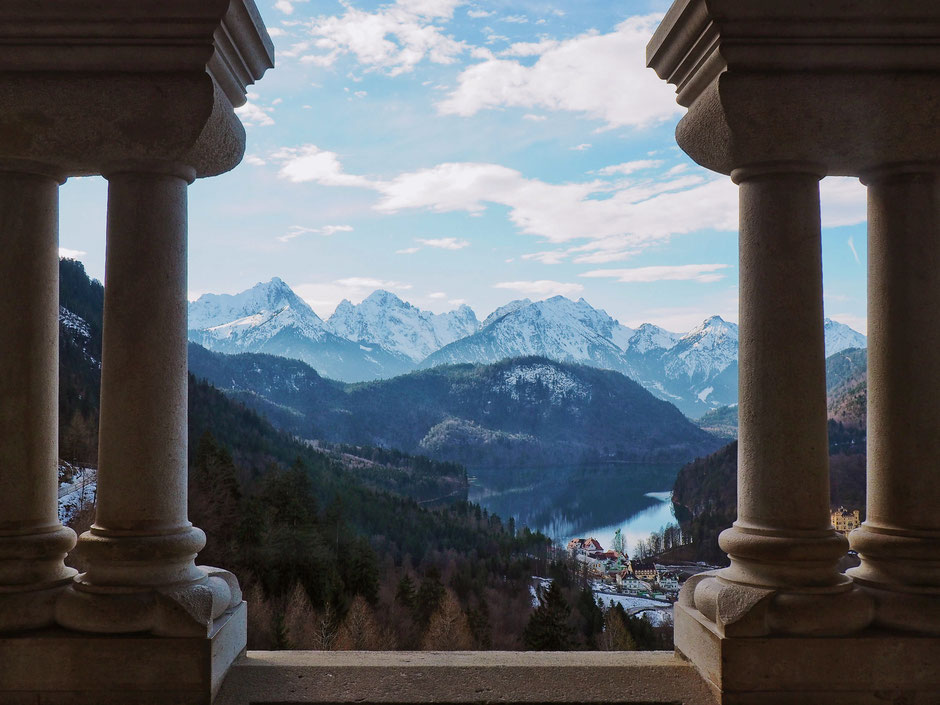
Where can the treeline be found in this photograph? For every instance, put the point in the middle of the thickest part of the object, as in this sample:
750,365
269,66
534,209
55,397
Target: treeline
666,539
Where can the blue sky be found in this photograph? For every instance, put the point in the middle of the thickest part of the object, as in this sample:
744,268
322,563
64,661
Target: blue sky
474,152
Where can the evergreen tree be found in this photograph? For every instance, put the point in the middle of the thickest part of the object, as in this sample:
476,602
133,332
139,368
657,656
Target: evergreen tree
548,628
405,593
429,596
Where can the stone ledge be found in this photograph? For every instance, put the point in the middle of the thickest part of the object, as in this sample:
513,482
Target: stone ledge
462,677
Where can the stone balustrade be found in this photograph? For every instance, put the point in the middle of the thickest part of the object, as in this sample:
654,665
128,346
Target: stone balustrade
142,93
779,95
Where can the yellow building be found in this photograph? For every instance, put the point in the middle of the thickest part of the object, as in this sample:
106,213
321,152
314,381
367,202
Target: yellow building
844,520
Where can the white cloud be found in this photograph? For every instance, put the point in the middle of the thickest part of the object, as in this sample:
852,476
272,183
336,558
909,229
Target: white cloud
630,217
547,257
395,38
477,14
535,118
310,163
702,273
581,147
369,283
629,167
437,295
254,160
456,302
71,254
286,6
407,251
514,19
276,31
603,76
444,243
844,201
252,114
326,230
543,288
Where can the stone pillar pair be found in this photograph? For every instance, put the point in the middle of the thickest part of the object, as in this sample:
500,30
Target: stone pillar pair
778,96
141,549
784,576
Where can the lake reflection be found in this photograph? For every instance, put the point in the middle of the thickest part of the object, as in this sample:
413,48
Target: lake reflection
579,501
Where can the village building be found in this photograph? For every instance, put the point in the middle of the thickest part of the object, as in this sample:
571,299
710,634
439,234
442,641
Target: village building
644,570
668,582
628,582
583,546
845,521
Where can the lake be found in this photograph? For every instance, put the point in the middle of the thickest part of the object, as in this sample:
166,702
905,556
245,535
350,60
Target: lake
580,501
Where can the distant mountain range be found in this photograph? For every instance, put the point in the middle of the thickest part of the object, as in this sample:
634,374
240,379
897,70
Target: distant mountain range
384,336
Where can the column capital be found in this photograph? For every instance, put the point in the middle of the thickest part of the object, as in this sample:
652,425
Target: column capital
86,87
149,167
875,174
756,171
845,84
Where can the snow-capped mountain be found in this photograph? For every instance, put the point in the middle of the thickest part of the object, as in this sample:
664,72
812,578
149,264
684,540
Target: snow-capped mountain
650,339
396,325
840,337
385,336
703,352
271,318
558,328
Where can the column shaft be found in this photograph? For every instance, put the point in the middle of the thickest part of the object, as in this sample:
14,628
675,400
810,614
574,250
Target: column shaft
900,540
33,543
783,456
143,440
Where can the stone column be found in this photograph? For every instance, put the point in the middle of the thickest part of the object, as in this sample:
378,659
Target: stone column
783,576
899,543
140,551
33,543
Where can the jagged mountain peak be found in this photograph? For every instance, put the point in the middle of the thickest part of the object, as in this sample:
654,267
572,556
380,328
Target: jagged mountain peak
385,319
649,337
841,337
261,300
504,310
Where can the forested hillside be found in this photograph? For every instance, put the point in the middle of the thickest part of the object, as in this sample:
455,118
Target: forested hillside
705,492
526,411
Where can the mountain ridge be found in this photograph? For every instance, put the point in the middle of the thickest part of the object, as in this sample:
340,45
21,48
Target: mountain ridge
384,336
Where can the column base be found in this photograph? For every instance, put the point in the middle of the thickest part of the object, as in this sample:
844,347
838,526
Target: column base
738,609
901,573
33,576
871,668
183,610
59,667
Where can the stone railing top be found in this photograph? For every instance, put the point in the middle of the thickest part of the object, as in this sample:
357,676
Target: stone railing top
224,37
698,39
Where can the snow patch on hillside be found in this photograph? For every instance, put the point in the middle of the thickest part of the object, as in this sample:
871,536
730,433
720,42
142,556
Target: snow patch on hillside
562,385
